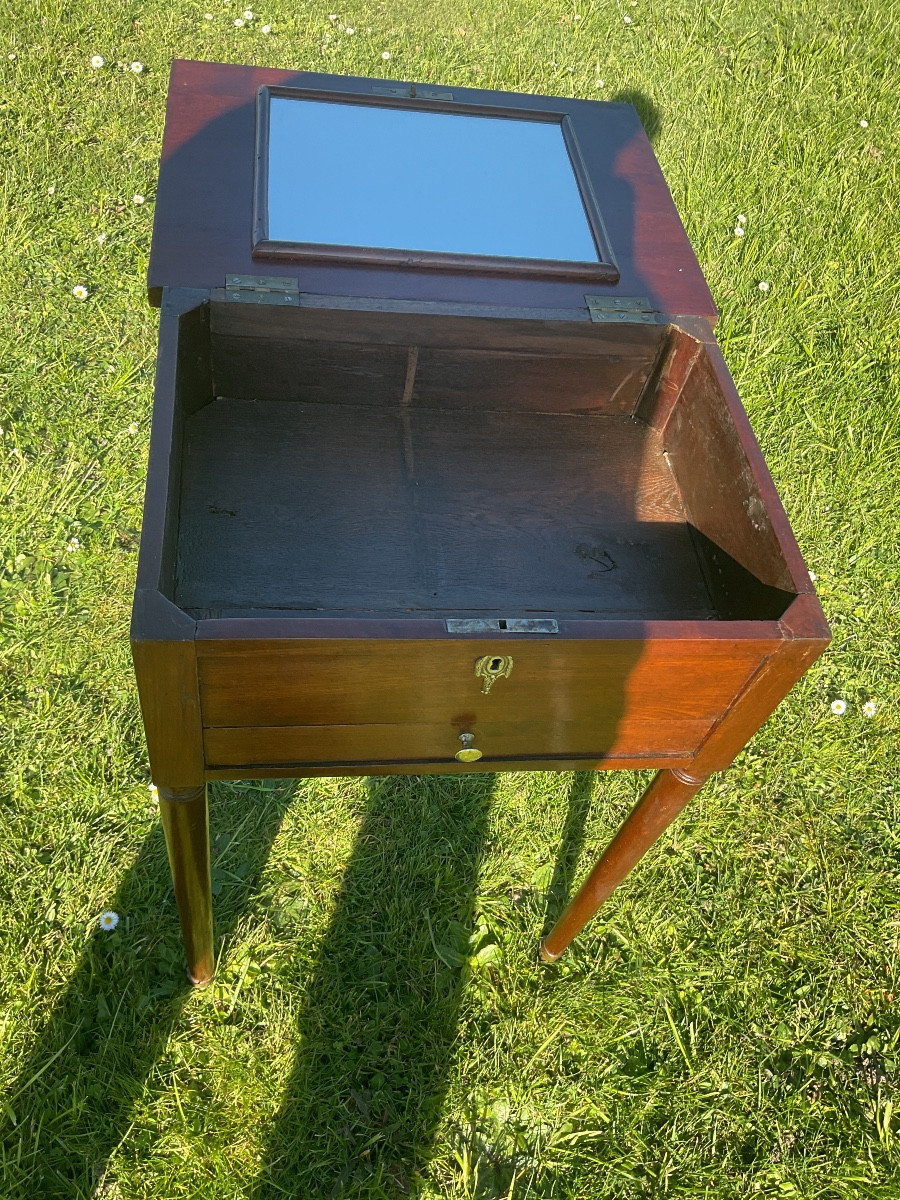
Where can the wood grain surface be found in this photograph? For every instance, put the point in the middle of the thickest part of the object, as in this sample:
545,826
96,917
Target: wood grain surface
290,505
203,221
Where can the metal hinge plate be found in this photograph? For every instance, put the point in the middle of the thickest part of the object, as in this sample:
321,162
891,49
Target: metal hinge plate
621,308
412,92
262,289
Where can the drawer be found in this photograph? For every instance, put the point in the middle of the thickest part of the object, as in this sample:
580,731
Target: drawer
385,744
563,698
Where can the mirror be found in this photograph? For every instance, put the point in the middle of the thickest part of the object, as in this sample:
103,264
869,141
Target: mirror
399,179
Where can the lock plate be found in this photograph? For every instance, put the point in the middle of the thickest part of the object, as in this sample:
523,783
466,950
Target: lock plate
491,667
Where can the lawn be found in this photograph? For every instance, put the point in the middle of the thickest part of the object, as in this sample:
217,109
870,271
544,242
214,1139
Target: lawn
380,1027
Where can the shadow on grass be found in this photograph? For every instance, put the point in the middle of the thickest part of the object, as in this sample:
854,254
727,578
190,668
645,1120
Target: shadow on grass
571,844
379,1011
378,1024
73,1102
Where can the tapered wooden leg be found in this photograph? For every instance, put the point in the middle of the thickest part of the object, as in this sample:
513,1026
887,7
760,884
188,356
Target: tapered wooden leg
668,793
185,818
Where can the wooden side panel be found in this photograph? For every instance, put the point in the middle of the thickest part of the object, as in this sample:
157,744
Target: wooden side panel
480,379
721,475
377,327
806,637
342,373
170,705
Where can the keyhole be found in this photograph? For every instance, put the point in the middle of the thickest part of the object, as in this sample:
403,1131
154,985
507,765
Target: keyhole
496,664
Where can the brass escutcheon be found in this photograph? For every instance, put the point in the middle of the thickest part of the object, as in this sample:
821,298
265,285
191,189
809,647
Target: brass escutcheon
492,667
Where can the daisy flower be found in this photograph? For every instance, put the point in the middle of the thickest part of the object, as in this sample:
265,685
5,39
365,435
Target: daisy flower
238,22
266,29
385,54
864,124
80,292
763,286
133,428
839,707
137,67
97,62
248,14
738,231
108,921
869,708
73,544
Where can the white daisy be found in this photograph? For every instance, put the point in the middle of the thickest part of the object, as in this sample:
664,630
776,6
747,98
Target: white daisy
839,707
137,198
869,708
763,286
266,29
137,67
97,62
73,544
80,292
108,921
385,54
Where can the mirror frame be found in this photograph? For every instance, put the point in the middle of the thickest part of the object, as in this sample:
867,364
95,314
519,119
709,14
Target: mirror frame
604,270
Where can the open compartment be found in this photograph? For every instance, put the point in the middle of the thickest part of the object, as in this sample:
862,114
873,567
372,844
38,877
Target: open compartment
387,464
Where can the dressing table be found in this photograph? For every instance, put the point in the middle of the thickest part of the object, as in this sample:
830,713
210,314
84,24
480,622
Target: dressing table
447,472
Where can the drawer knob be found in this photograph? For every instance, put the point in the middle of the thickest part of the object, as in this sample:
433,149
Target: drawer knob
468,752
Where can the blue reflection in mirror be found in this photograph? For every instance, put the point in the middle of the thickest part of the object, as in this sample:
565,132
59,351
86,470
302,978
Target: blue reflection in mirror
390,178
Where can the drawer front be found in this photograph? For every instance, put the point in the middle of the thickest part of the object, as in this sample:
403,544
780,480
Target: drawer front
348,744
359,700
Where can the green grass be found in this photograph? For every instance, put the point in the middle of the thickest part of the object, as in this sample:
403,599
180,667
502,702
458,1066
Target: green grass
379,1026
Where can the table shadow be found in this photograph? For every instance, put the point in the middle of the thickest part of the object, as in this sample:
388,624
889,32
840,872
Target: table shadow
377,1028
73,1100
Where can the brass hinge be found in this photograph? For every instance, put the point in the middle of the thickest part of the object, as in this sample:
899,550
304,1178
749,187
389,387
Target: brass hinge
262,289
621,308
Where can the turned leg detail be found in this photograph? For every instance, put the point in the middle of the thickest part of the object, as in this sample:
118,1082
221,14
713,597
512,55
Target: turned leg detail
185,818
668,793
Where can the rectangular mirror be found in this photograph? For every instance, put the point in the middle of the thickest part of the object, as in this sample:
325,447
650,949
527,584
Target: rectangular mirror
412,182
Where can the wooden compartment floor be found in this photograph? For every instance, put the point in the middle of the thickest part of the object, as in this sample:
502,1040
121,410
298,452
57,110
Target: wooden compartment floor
296,507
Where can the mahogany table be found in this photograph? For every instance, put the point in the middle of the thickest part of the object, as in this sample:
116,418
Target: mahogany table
444,512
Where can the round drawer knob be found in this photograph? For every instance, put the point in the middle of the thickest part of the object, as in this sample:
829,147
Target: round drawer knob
468,752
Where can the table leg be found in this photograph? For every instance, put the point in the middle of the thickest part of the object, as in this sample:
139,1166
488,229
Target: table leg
668,793
185,818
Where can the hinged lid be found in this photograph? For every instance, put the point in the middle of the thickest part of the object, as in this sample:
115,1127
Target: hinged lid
240,160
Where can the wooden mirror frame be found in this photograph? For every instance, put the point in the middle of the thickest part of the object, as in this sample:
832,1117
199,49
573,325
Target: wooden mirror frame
605,270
